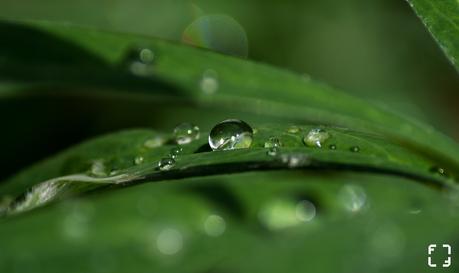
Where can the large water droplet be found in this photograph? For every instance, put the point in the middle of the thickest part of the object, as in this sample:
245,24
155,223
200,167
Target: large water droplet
316,137
186,132
169,241
230,134
214,225
140,61
209,82
217,32
166,164
272,142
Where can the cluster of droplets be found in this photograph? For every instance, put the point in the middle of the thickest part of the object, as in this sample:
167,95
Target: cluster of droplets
140,61
185,133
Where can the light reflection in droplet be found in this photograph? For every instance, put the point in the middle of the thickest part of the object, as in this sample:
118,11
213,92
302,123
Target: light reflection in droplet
214,225
353,198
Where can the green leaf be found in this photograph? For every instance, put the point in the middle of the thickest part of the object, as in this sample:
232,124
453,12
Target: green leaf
111,161
90,58
442,20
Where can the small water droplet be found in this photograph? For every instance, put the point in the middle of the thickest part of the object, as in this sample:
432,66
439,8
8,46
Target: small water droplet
230,134
272,142
138,160
273,151
154,142
352,197
305,211
316,138
140,61
438,170
209,82
214,225
332,147
355,149
98,168
166,164
175,152
169,241
295,160
186,132
284,213
293,129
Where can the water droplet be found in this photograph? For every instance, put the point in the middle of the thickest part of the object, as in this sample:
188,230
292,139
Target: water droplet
272,142
355,149
305,211
273,151
186,132
230,134
316,137
175,152
140,61
352,197
217,32
332,147
98,168
169,241
293,129
295,160
166,164
209,82
138,160
438,170
214,225
154,142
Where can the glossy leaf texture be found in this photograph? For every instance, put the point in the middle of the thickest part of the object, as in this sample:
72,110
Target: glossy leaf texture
442,20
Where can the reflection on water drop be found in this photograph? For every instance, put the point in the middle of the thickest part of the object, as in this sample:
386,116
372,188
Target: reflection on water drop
166,164
154,142
217,32
140,61
169,241
293,129
272,142
138,160
352,197
174,153
214,225
230,134
316,138
355,149
185,133
209,82
332,147
98,168
283,213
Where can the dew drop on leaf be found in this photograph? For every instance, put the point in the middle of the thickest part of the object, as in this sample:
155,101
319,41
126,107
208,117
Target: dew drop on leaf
353,198
273,151
272,142
140,61
283,213
316,137
332,147
185,133
438,170
154,142
166,164
355,149
169,241
174,152
230,134
98,168
293,129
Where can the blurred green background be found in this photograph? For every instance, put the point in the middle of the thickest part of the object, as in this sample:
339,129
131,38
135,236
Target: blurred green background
377,50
